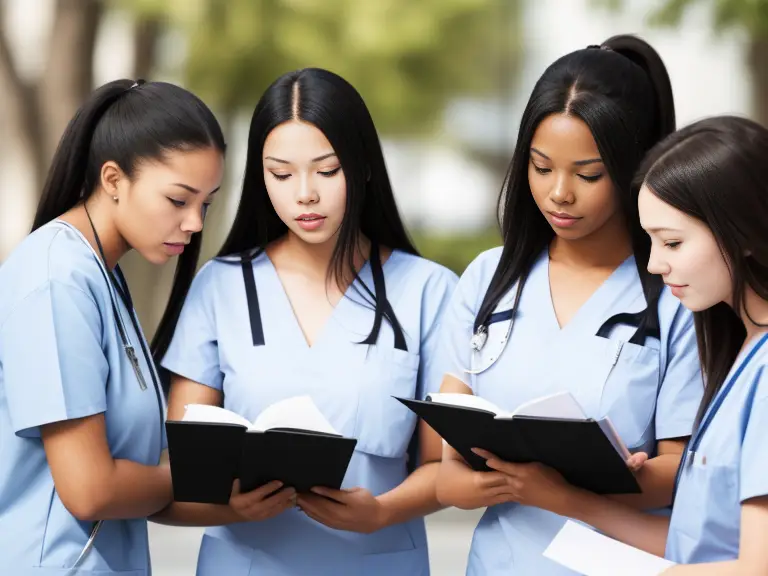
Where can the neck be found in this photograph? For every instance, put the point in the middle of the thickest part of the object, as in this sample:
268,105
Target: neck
102,215
607,247
754,313
316,258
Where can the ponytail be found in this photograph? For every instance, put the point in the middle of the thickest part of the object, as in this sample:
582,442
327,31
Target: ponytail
645,56
65,183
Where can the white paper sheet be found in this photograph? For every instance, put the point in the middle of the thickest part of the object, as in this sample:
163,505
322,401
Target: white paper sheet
593,554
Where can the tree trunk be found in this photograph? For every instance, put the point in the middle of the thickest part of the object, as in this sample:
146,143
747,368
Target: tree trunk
146,33
758,63
68,76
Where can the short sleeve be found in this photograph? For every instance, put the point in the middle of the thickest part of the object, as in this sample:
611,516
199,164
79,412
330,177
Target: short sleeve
53,364
682,387
437,295
193,352
459,319
754,464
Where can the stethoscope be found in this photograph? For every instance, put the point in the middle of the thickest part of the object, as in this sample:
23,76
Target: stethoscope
695,441
121,288
646,326
245,260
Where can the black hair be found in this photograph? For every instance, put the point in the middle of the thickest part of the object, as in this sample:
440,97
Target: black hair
622,92
715,171
126,122
331,104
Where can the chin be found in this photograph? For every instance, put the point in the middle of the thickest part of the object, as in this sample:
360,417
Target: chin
156,257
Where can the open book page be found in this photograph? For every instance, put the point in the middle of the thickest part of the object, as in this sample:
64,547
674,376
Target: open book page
592,554
213,414
299,412
466,401
610,432
559,405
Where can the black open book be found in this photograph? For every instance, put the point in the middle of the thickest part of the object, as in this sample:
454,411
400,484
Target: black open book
290,441
551,430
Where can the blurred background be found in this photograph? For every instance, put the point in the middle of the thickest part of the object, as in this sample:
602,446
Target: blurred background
445,80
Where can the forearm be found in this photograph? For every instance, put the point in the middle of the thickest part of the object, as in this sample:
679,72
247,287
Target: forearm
656,479
619,521
415,497
131,490
455,486
191,514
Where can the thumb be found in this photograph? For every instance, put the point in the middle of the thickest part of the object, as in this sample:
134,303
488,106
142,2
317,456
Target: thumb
636,461
235,487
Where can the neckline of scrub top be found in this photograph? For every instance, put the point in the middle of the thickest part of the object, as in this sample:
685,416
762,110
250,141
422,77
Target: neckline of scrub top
590,302
321,335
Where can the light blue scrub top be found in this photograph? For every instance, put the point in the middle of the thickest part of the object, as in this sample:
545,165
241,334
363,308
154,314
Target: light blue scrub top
650,392
61,358
352,385
729,466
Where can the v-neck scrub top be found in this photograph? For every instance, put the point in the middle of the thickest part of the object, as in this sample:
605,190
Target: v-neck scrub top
353,385
650,391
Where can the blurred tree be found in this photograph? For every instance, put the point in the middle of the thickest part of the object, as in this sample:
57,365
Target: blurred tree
406,58
748,16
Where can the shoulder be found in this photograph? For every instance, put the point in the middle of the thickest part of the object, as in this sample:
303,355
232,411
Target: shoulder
52,254
760,373
417,270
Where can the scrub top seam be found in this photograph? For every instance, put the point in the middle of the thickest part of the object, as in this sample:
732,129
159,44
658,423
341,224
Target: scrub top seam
47,284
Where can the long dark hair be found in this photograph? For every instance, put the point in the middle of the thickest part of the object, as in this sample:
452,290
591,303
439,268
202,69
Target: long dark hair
715,171
126,122
621,90
331,104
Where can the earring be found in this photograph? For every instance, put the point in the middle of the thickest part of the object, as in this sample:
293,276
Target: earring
114,198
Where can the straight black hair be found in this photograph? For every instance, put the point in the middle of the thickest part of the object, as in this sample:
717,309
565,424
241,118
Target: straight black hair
127,122
715,171
622,91
331,104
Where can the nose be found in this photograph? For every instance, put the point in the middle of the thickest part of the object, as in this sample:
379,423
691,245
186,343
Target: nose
193,220
561,192
656,263
307,193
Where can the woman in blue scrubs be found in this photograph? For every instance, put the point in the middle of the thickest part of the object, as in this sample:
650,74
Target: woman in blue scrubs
704,205
319,292
81,410
566,304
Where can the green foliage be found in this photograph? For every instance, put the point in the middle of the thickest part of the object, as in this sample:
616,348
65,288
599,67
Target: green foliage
455,251
749,15
406,57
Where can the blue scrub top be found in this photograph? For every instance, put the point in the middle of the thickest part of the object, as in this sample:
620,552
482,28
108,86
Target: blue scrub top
649,391
61,358
729,466
352,385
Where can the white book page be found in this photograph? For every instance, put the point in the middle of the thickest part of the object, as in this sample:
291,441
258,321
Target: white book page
299,412
466,401
610,432
560,405
214,414
592,554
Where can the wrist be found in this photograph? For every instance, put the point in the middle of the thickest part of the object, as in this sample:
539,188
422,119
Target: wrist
385,515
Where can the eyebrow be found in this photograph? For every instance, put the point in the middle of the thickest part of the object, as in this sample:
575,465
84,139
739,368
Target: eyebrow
318,159
576,163
191,189
662,229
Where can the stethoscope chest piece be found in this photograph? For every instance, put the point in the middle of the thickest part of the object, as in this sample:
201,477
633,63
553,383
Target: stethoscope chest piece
479,338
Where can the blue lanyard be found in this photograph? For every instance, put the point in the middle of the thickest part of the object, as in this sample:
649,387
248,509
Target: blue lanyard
690,453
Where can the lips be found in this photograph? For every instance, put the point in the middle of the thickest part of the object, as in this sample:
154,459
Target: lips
309,217
564,216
